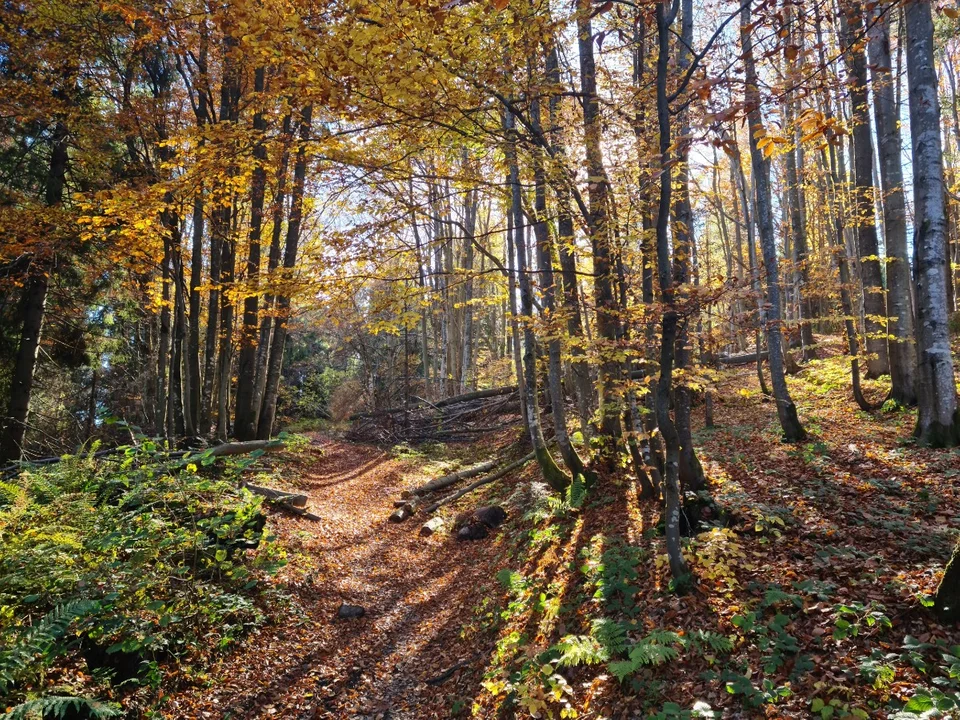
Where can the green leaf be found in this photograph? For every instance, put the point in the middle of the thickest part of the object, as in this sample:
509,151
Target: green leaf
816,705
919,704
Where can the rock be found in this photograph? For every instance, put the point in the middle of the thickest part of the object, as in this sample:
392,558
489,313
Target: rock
473,531
348,612
492,515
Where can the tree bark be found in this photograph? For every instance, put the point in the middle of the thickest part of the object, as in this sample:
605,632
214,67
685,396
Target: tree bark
668,340
938,419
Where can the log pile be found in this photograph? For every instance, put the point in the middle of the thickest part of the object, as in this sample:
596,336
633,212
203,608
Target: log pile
463,417
409,504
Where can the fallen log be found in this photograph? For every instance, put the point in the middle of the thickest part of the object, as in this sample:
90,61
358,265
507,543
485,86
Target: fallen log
741,359
222,450
446,402
453,478
240,448
482,481
280,496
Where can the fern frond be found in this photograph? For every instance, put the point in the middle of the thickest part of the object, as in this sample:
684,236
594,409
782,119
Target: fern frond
644,653
40,639
57,706
610,634
580,650
622,668
577,492
663,637
715,641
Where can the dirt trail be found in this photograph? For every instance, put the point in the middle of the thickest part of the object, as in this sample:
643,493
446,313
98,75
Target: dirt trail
418,593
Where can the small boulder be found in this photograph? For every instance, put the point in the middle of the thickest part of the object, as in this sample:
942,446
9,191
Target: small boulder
348,612
473,531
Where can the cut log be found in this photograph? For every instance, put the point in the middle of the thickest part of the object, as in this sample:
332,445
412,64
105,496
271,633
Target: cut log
506,469
280,496
455,477
432,526
403,512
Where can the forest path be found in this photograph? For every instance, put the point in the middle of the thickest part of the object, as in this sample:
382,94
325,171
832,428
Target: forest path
417,592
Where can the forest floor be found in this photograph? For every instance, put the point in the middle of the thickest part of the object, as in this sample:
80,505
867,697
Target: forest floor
810,600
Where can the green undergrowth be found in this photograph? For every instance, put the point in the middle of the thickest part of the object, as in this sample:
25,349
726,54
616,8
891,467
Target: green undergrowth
588,620
112,570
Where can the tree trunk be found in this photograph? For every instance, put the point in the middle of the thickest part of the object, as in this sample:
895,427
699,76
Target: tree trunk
245,424
268,409
34,305
903,356
273,262
544,245
938,419
668,340
583,387
192,390
874,305
798,228
554,476
690,471
163,347
607,308
786,411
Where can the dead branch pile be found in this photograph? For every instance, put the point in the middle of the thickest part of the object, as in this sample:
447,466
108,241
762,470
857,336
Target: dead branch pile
463,417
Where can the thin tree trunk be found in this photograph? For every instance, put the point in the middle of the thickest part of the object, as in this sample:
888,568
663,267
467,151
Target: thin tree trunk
903,356
193,383
268,409
691,473
544,245
607,308
585,394
245,424
874,304
786,411
554,476
34,305
668,341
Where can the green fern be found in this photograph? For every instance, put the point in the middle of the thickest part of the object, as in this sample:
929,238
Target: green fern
655,649
610,634
776,596
40,640
577,492
57,706
644,653
720,644
663,637
580,650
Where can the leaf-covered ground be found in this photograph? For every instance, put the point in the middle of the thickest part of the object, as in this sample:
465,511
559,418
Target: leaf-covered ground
813,576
